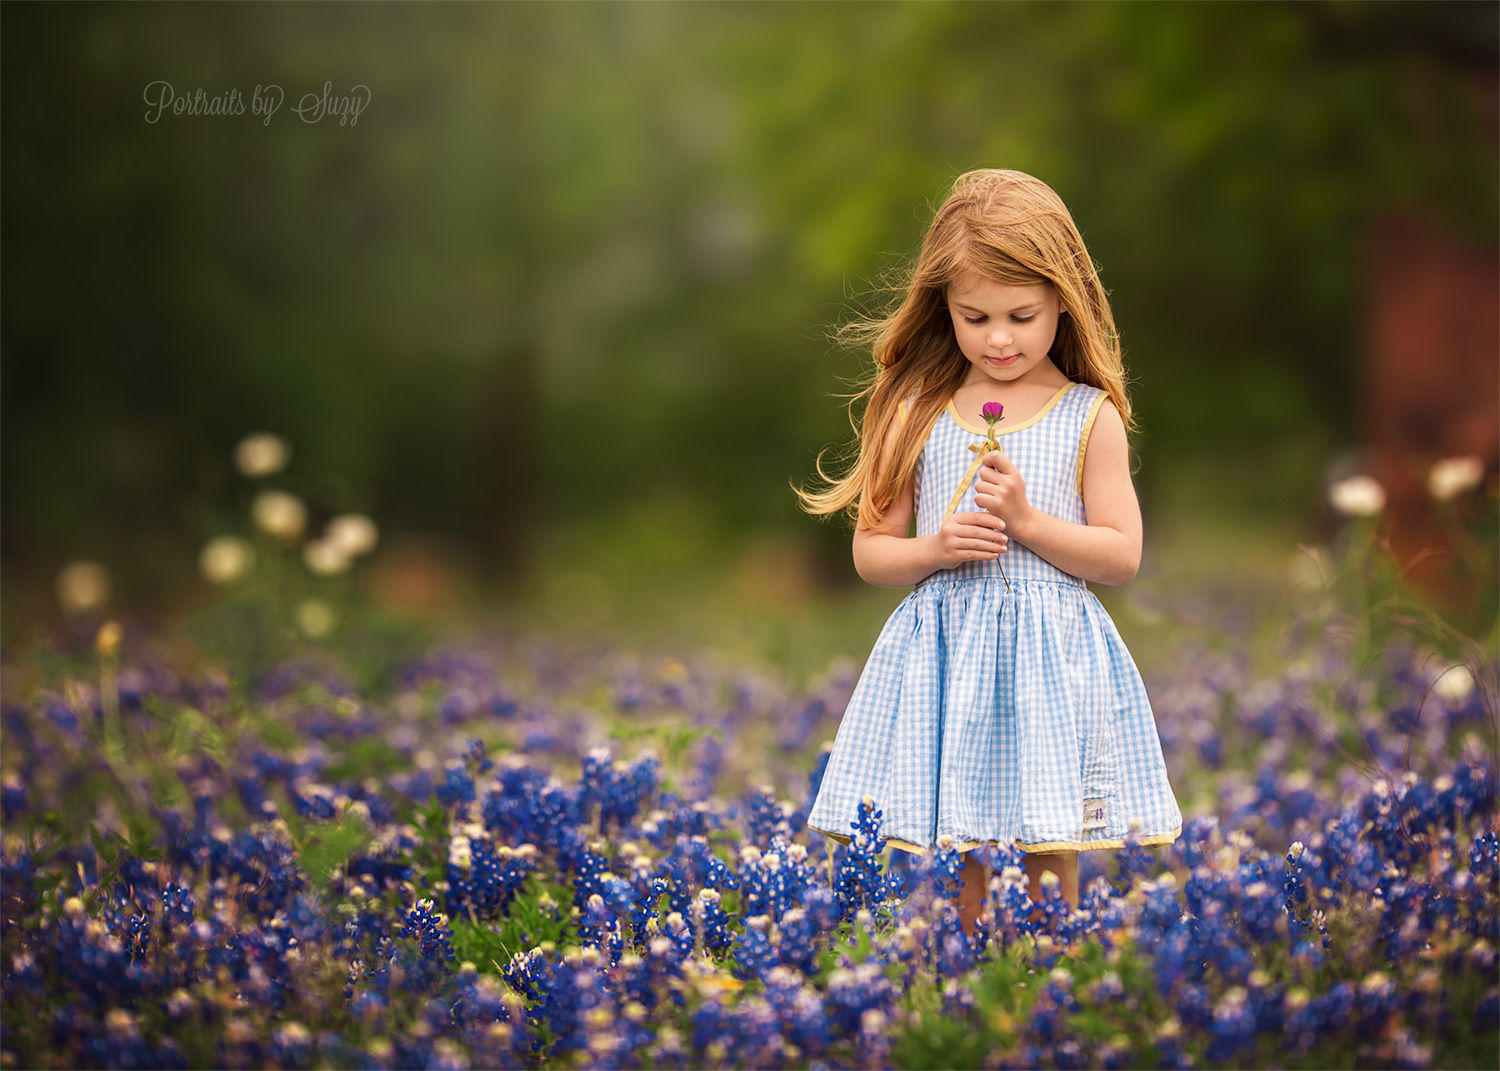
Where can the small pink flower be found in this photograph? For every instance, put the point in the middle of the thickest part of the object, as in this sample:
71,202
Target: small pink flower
992,412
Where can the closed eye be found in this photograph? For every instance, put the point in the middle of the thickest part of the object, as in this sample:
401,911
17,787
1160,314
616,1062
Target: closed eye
1018,319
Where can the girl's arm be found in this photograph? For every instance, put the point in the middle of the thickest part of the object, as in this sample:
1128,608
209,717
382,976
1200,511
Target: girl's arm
887,556
1106,550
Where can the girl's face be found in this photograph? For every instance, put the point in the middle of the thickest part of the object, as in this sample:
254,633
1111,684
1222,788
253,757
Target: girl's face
993,320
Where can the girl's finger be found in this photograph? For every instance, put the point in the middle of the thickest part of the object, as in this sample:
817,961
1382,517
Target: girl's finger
988,548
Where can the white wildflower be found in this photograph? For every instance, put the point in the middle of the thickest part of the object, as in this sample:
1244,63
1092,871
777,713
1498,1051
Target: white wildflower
353,533
1452,476
261,454
82,585
324,557
1454,685
1357,496
225,559
280,512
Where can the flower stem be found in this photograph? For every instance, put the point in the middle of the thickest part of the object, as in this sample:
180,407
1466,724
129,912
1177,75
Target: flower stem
991,444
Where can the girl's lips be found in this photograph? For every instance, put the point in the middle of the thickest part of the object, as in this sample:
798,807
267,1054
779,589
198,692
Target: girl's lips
1002,360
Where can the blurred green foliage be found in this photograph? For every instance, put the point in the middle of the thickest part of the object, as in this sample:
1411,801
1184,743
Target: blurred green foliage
577,264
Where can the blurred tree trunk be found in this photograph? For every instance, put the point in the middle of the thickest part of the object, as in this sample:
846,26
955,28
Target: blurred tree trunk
508,464
1434,318
1433,287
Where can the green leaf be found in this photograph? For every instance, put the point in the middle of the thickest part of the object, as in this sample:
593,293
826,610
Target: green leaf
330,845
104,845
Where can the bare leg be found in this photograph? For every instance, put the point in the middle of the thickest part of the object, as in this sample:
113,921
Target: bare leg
1063,864
976,878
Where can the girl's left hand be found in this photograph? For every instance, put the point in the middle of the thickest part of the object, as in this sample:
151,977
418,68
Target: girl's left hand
999,489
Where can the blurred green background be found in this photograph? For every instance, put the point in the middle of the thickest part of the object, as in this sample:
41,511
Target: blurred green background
555,310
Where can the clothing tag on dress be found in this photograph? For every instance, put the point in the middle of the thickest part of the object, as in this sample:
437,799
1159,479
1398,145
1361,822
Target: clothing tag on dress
1093,814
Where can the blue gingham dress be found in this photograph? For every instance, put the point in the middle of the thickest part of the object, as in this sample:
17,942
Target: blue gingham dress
994,715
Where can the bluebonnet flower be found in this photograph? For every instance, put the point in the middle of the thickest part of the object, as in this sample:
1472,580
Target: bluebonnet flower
62,716
1484,856
430,929
677,928
764,817
528,806
478,758
799,938
854,990
628,692
815,778
1132,860
457,786
799,1011
600,929
1232,1027
773,881
618,790
178,906
311,800
859,881
715,932
13,801
490,879
708,763
753,950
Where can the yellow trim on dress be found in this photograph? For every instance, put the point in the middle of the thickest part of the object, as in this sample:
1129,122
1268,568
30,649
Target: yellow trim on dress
953,412
1083,440
1043,846
963,485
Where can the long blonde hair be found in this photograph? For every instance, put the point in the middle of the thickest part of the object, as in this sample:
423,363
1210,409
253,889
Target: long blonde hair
1005,226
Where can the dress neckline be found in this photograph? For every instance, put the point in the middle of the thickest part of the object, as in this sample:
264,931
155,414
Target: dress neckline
952,411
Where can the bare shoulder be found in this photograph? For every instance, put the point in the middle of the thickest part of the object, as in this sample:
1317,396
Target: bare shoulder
1108,424
1108,493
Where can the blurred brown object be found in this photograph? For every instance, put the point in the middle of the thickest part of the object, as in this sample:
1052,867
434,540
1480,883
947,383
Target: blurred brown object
416,575
1434,344
776,570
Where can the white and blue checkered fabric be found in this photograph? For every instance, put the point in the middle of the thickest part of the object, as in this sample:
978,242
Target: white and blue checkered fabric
994,715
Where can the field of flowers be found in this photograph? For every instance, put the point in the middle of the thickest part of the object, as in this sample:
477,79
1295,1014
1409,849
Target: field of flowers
519,850
483,866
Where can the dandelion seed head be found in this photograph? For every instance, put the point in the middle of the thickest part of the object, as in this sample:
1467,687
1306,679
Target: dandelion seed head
280,513
82,586
1357,496
1450,477
261,453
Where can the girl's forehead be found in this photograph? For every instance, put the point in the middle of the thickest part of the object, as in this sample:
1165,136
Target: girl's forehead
973,285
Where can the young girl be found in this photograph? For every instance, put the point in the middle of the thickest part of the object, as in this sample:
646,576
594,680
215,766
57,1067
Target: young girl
999,704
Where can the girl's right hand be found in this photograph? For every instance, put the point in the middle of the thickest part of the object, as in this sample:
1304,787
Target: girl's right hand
970,537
